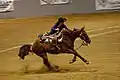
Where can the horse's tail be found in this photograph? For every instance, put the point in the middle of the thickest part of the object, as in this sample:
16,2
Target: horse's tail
24,50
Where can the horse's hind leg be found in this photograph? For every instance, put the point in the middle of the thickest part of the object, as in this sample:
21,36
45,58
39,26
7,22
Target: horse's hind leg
47,63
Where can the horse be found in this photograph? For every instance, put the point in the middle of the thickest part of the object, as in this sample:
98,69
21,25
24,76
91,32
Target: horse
66,46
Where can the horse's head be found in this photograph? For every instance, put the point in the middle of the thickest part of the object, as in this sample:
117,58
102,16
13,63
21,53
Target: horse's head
84,36
24,51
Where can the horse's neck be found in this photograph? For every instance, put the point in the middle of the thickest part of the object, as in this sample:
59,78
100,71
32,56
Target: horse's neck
68,38
72,37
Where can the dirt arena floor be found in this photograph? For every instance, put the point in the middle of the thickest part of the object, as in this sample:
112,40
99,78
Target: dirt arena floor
103,52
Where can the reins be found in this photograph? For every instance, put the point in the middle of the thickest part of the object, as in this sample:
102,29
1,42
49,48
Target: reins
80,45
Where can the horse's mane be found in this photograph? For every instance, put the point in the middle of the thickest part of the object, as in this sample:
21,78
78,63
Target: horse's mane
66,32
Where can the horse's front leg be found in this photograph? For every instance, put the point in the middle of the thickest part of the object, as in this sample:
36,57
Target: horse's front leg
47,63
76,54
73,60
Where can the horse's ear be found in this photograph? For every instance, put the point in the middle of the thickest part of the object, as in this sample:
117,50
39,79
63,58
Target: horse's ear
83,27
74,29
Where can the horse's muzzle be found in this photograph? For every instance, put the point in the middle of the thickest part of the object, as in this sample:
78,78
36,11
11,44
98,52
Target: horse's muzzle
21,57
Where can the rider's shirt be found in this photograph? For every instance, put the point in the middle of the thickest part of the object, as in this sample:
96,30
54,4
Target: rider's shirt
60,27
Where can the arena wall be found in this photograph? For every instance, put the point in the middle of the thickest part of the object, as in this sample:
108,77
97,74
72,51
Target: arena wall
32,8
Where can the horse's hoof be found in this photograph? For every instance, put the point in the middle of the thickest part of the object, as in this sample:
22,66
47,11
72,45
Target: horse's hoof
55,69
71,62
87,62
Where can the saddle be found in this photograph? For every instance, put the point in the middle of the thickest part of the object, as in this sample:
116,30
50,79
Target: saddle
53,39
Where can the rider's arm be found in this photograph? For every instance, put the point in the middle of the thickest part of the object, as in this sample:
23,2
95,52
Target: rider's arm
65,26
54,27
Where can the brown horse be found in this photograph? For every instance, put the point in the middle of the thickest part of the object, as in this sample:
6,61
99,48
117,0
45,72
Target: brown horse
66,46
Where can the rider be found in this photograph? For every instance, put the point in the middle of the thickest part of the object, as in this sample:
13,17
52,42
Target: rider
58,26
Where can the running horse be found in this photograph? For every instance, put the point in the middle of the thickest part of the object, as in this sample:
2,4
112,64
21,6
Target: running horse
66,46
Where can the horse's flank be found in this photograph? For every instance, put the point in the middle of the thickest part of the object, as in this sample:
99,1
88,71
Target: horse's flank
38,46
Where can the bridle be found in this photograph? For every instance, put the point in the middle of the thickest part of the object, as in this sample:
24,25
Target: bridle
82,44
